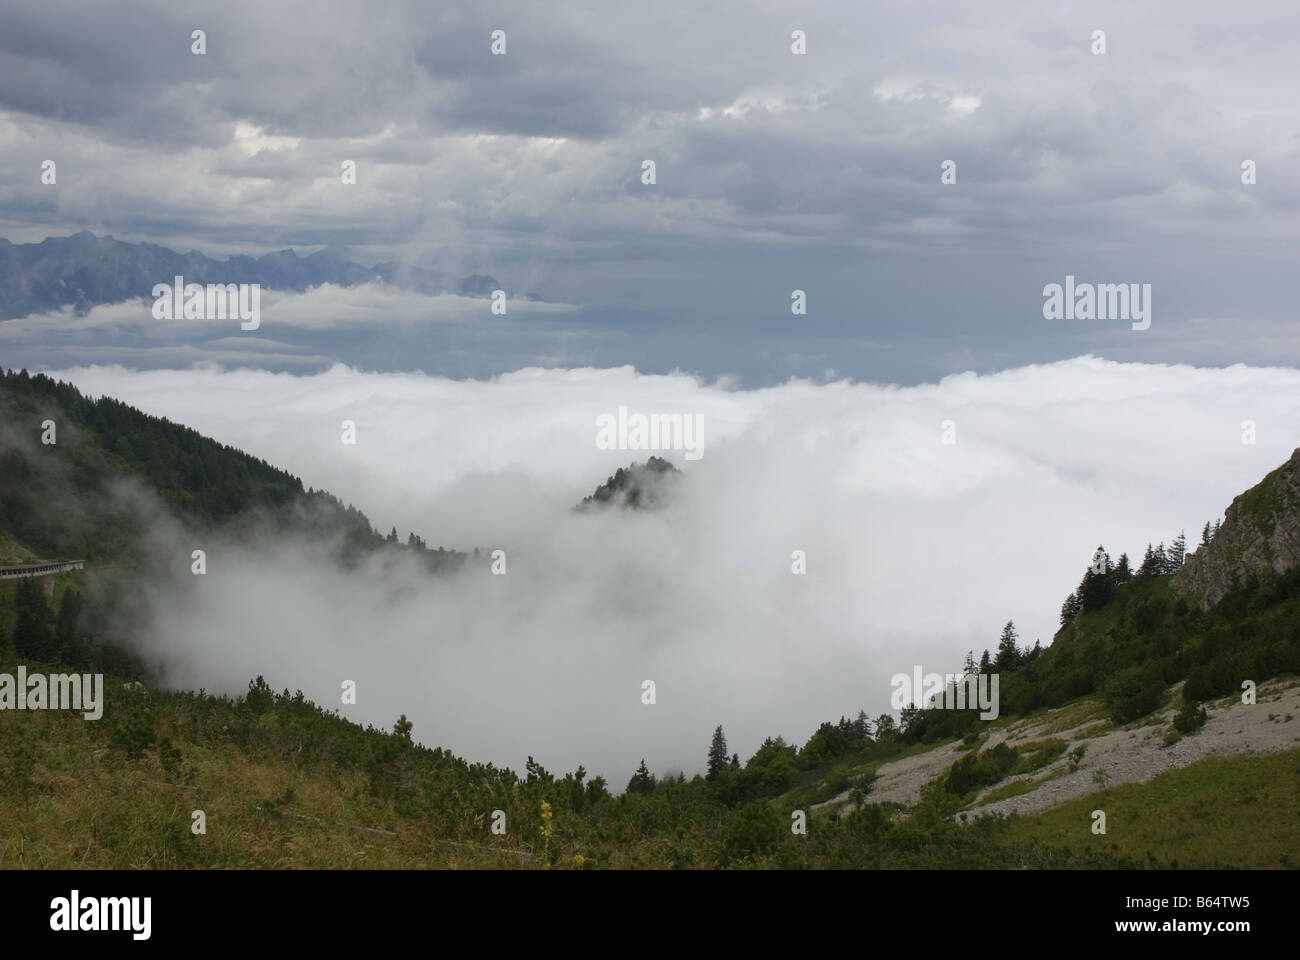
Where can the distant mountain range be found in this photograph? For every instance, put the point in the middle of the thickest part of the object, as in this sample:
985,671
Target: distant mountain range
84,270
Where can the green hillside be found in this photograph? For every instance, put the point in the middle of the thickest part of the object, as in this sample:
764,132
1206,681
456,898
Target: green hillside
71,498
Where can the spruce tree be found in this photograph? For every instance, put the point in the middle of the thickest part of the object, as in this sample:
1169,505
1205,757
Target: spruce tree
717,754
862,726
642,781
908,717
1160,562
32,634
1069,610
1122,572
1205,534
1177,552
1008,656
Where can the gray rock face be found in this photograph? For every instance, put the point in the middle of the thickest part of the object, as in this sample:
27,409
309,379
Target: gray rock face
1260,533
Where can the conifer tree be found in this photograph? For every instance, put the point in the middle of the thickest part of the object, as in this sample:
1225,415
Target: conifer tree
1177,552
908,717
1008,656
1161,559
862,726
717,754
1148,567
1122,572
1069,610
642,781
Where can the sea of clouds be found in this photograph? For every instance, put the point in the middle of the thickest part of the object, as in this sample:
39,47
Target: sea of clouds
916,550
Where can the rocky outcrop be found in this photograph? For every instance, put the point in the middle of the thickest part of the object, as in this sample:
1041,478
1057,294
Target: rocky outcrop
1260,534
638,487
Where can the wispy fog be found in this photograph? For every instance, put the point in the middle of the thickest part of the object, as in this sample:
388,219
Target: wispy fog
916,550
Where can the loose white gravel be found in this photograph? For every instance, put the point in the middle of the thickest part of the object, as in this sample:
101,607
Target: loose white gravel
1126,755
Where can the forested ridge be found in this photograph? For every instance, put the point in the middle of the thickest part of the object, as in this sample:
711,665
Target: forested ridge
57,498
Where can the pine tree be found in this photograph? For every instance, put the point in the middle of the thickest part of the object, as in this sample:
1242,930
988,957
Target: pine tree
1161,559
32,634
907,717
968,667
1215,532
642,781
1177,552
1069,610
1148,567
392,536
735,761
1098,584
717,754
986,665
1008,656
1122,572
862,726
1206,533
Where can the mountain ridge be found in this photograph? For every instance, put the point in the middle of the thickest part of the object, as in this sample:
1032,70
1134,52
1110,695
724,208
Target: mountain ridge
84,270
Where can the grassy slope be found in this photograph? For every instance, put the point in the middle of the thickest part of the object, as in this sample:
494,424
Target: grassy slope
71,795
1222,812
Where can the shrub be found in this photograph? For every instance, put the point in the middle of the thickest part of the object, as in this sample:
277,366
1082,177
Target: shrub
979,770
134,733
752,831
1191,717
1076,756
1139,705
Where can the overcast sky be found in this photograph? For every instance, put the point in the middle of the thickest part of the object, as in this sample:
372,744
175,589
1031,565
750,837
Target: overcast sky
774,172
